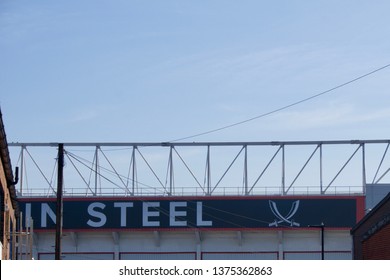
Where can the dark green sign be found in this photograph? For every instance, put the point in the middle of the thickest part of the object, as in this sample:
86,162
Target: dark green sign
211,213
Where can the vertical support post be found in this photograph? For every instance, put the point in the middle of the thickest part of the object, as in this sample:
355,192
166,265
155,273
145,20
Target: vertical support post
133,171
28,240
59,201
321,174
199,251
13,234
20,239
31,237
280,245
96,169
208,170
171,174
21,170
322,227
115,237
246,170
6,252
322,241
364,178
198,242
283,171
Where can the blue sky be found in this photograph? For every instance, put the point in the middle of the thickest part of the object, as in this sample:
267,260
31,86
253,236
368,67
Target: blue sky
151,71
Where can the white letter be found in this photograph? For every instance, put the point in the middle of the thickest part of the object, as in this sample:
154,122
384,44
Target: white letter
173,214
199,215
93,213
46,210
123,206
146,214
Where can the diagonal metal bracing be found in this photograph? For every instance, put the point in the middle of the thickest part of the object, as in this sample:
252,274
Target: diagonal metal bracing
227,170
189,169
342,168
40,170
87,184
251,179
265,169
115,171
304,166
380,165
381,177
152,170
101,176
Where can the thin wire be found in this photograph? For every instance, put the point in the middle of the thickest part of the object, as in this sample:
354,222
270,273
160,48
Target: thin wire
100,175
282,108
83,160
166,213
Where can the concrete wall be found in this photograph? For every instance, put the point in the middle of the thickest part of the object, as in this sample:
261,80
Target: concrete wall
260,244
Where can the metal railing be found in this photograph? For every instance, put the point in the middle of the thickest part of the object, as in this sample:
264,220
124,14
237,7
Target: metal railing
233,191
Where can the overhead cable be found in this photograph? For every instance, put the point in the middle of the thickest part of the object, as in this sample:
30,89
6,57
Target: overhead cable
282,108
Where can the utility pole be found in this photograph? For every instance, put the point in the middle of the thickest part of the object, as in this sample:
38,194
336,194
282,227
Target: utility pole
322,227
59,201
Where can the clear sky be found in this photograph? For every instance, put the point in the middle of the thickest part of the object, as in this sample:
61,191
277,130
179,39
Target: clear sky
152,71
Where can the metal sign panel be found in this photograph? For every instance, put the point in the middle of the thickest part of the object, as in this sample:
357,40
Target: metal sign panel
216,213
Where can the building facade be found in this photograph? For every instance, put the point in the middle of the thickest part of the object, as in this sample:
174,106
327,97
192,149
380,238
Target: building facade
9,206
371,236
197,228
201,201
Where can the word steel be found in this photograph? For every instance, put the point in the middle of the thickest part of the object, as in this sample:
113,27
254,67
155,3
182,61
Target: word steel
123,214
210,213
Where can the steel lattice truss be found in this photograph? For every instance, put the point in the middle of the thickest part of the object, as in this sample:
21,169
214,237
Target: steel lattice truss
219,168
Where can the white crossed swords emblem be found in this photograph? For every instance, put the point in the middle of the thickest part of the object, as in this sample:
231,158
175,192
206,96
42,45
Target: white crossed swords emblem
286,219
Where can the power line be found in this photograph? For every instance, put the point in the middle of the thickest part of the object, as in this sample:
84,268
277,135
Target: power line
165,212
282,108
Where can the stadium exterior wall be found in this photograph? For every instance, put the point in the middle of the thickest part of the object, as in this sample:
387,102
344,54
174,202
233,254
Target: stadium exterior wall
247,227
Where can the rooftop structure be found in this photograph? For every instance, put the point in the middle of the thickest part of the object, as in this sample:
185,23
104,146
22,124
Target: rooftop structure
206,168
241,200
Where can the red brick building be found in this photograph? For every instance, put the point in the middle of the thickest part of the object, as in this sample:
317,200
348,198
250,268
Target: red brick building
371,236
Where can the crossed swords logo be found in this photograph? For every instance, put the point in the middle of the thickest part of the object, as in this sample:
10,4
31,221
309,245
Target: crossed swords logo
281,219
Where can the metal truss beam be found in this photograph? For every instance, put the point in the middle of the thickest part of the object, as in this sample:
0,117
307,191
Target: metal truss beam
257,172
